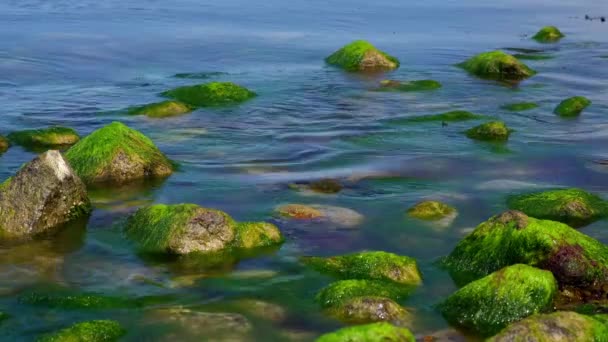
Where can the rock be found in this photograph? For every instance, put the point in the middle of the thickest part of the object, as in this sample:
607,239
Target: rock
161,109
453,116
419,85
572,107
200,75
382,266
42,197
67,299
343,217
47,137
497,65
339,292
187,228
211,94
548,34
556,327
88,331
574,207
326,186
490,131
4,144
362,56
117,154
375,332
519,106
258,308
431,210
488,305
362,310
298,212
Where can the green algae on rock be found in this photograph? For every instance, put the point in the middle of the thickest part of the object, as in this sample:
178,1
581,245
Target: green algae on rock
362,56
4,144
575,207
369,309
256,234
161,109
326,186
431,210
572,106
117,154
560,326
497,65
339,292
298,211
490,131
519,106
489,304
45,137
533,57
211,94
375,332
452,116
88,331
407,86
67,299
548,34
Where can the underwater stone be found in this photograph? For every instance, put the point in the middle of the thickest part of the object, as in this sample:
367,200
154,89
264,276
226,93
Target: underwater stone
418,85
375,332
497,65
326,186
211,94
572,107
431,210
548,34
161,109
452,116
298,211
46,137
362,56
370,309
89,331
490,131
339,292
520,106
4,144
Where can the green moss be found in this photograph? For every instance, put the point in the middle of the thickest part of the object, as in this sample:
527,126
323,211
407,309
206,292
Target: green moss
6,183
453,116
342,291
575,207
497,65
431,210
489,304
53,136
533,57
361,310
326,186
419,85
368,333
211,94
4,144
519,106
548,34
67,299
362,56
572,107
93,157
256,234
490,131
161,109
382,266
89,331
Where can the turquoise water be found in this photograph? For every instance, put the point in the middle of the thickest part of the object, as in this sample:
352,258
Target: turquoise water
80,64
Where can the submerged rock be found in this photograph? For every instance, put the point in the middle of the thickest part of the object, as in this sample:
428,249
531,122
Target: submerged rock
337,215
298,211
452,116
489,304
117,154
211,94
572,107
575,207
161,109
47,137
533,57
375,332
519,106
431,210
256,234
326,186
490,131
361,310
339,292
43,196
548,34
561,326
497,65
418,85
362,56
89,331
262,309
4,144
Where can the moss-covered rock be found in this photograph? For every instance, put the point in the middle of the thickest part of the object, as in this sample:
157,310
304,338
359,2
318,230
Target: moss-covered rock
4,144
117,154
490,131
452,116
299,211
362,310
187,228
575,207
339,292
211,94
68,299
375,332
520,106
326,186
487,305
556,327
418,85
89,331
431,210
572,107
533,57
46,137
497,65
548,34
161,109
362,56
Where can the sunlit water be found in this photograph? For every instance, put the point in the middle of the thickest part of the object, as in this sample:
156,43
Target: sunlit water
81,63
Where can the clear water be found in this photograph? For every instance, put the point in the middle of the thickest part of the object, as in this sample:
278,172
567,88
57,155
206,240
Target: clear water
79,63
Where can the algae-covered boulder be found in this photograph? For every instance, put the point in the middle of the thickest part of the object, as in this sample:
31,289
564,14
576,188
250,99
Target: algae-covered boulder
520,106
339,292
343,217
497,65
211,94
43,196
561,326
298,211
452,116
407,86
88,331
361,310
489,304
46,137
161,109
548,34
187,228
575,207
117,154
375,332
490,131
4,144
326,186
431,210
382,266
572,106
362,56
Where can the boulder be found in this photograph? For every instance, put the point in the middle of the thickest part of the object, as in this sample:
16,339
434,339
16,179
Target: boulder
497,65
88,331
161,109
362,56
490,131
548,34
340,292
211,94
43,196
431,211
46,137
572,107
375,332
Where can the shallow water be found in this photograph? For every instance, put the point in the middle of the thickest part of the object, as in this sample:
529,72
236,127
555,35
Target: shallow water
80,63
